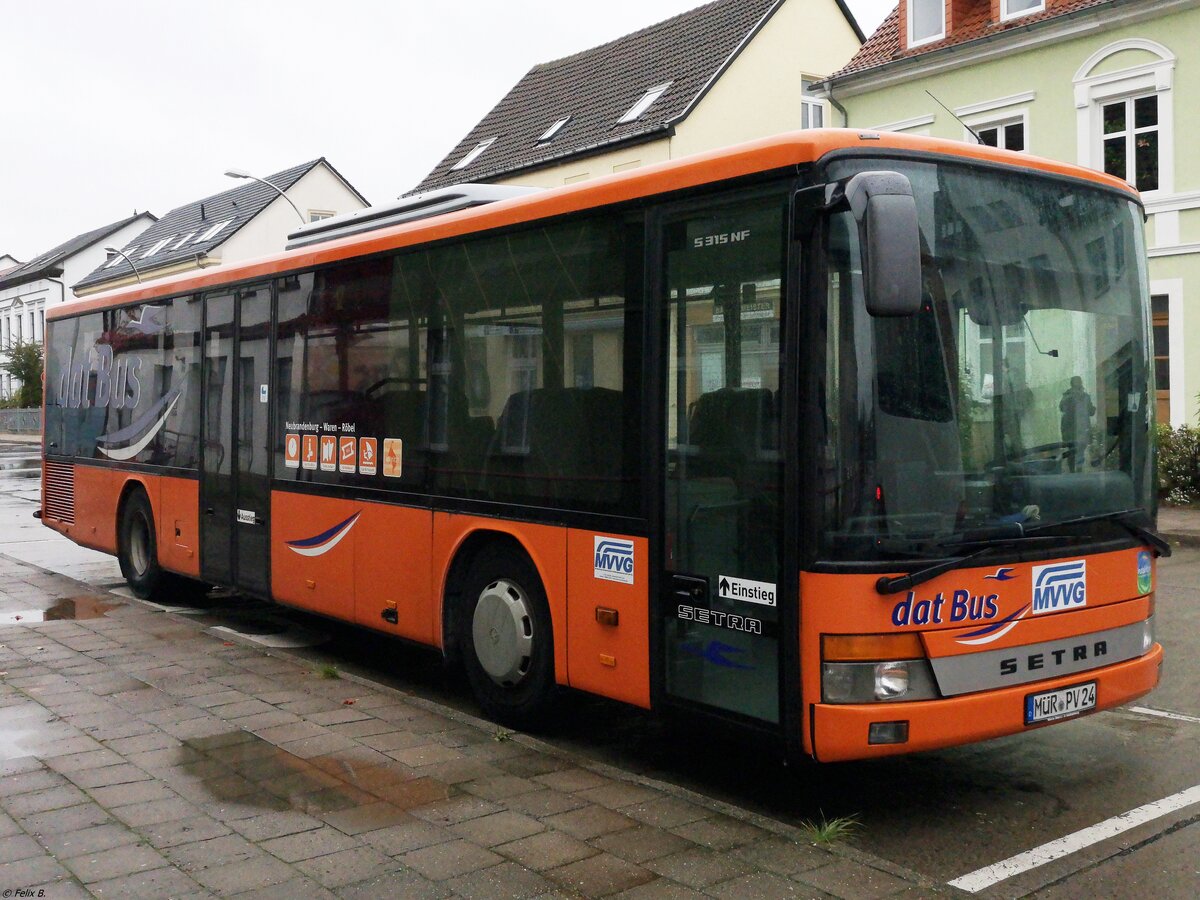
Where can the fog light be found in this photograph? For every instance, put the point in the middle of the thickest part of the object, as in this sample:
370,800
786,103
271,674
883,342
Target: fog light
891,680
1147,634
888,733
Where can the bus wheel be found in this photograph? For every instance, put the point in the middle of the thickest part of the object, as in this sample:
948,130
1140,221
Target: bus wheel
137,549
507,640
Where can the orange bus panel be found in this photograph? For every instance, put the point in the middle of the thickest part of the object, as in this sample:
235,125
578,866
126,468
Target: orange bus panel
394,569
608,621
312,552
97,493
178,522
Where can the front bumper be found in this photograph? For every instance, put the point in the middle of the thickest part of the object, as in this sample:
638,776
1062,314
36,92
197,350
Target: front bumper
839,732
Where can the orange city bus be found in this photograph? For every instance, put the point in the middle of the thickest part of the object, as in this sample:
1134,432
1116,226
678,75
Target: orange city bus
842,437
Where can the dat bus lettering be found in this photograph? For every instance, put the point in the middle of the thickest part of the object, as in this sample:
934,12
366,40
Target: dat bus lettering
963,606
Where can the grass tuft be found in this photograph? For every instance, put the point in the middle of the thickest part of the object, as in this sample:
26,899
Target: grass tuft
829,831
328,670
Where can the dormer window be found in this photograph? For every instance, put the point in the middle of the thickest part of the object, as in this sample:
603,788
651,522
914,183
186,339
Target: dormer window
473,155
1012,9
646,101
554,130
927,21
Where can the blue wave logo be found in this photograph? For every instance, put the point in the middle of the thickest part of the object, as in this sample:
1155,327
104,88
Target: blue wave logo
322,543
1002,574
716,652
135,437
995,630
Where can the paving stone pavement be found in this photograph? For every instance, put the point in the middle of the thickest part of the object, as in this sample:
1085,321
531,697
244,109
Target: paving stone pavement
142,756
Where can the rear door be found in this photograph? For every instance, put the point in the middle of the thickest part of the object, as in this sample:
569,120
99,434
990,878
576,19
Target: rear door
235,465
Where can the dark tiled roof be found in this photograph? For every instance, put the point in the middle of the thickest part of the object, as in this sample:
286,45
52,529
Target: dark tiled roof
47,263
883,46
598,86
237,206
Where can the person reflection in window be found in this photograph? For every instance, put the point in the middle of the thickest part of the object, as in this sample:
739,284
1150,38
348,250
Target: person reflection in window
1077,410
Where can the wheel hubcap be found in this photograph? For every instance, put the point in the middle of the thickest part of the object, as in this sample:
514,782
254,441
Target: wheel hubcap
502,629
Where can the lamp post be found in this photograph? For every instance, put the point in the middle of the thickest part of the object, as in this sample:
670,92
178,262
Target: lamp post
117,252
241,173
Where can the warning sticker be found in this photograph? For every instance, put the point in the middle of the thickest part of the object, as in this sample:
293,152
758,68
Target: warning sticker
348,455
393,457
310,451
328,453
291,451
368,453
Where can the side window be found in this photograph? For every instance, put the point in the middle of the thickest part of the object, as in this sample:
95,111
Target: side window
181,345
350,378
535,397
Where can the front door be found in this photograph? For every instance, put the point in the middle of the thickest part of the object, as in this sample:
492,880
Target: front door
235,475
720,603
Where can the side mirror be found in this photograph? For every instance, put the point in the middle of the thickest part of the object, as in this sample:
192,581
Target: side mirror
886,212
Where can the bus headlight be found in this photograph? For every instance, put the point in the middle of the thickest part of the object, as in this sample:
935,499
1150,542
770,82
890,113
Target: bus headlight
874,682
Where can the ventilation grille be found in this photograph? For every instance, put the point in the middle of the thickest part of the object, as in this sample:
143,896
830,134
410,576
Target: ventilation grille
58,499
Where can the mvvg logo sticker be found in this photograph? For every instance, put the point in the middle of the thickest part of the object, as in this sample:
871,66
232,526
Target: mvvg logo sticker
1059,586
614,559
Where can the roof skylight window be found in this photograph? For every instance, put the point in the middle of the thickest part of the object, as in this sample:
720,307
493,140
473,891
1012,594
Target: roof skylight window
212,232
473,155
156,247
648,98
554,130
117,257
183,240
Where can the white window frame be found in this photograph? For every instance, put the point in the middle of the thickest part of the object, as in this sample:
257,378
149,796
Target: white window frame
318,215
1172,288
473,154
1006,14
553,130
1092,92
154,248
811,106
919,42
644,103
212,232
1000,112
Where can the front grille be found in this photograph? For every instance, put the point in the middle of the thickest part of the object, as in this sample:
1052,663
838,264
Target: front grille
58,499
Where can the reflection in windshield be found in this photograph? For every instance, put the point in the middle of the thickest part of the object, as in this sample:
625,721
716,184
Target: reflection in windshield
1018,393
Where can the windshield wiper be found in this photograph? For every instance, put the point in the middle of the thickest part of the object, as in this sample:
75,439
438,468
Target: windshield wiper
896,584
1120,517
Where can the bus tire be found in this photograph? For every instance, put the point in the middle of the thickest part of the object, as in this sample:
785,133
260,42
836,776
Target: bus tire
137,547
506,638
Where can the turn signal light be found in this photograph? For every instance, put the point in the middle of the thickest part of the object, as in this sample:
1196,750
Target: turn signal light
863,647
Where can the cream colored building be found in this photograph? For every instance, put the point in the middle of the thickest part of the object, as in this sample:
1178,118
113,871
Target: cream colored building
723,73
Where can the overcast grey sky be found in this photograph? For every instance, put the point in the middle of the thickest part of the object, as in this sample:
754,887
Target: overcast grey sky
110,107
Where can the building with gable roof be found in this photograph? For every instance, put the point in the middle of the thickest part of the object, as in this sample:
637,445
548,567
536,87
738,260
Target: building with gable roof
1100,83
247,221
725,72
26,289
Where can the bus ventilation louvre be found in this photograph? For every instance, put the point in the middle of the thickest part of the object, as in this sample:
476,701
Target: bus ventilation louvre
60,492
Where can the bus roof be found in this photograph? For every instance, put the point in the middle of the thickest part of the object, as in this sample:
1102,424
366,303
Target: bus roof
768,154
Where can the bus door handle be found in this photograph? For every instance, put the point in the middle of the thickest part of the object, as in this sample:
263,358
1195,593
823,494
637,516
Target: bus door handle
210,512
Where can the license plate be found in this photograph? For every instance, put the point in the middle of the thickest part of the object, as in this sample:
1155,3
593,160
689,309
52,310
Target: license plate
1049,706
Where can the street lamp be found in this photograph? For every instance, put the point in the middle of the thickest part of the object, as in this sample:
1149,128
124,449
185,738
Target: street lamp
116,252
242,173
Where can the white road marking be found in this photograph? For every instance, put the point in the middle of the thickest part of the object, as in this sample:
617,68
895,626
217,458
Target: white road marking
1163,714
976,881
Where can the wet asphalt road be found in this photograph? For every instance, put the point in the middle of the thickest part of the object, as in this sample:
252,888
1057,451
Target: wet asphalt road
943,814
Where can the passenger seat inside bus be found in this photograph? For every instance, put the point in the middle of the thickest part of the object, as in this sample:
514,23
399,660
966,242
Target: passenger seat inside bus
557,445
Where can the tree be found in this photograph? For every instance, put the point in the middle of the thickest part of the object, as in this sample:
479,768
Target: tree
25,364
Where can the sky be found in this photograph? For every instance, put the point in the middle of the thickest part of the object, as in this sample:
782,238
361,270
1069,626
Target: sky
110,108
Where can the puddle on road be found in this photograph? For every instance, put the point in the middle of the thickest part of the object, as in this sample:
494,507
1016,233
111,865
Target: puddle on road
83,607
253,772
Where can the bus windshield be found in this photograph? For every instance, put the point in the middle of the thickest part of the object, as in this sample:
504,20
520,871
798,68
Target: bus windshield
1019,394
